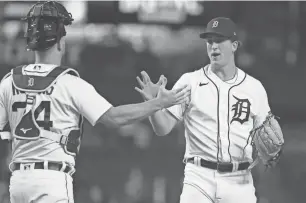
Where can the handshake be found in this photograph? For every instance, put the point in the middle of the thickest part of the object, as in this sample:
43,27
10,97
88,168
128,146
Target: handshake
167,98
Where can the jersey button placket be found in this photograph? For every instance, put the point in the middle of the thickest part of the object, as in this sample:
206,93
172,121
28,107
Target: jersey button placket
223,122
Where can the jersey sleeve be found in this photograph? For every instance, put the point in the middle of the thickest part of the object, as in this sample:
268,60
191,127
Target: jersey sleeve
178,110
262,107
88,101
3,111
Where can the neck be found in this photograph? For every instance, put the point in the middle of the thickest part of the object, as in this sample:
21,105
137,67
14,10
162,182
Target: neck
226,72
47,59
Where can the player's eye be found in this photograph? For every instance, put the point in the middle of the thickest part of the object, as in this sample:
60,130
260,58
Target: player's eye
209,41
216,40
220,39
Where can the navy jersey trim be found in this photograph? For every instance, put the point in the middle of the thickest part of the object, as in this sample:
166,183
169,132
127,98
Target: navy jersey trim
218,116
228,123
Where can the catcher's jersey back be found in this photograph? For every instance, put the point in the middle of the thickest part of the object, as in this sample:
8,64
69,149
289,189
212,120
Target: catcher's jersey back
58,109
220,115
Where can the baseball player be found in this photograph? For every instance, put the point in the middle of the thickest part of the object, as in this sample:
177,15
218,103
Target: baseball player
44,104
226,107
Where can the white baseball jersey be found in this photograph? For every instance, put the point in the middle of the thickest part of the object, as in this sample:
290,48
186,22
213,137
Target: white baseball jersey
220,115
58,109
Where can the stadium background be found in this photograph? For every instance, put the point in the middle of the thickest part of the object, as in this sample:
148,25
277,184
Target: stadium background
111,42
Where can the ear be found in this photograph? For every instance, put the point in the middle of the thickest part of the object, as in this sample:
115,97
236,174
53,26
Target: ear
235,46
61,44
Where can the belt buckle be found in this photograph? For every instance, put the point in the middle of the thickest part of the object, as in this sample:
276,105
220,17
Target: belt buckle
220,169
218,165
27,166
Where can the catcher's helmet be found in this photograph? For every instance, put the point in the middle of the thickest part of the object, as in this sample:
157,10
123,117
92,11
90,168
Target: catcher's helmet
46,23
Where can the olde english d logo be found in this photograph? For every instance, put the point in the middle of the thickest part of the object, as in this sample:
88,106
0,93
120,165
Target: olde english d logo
242,109
31,82
215,24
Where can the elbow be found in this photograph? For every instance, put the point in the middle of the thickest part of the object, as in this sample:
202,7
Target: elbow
162,132
116,123
162,128
109,124
110,121
113,125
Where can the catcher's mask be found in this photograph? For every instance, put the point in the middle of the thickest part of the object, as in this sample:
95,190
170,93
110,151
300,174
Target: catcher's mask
46,23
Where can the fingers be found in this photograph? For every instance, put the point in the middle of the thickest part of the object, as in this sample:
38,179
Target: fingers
164,82
145,77
141,84
177,90
182,89
184,94
138,90
143,94
162,79
174,97
183,100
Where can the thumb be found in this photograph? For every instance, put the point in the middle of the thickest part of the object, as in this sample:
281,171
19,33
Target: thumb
161,90
160,81
164,82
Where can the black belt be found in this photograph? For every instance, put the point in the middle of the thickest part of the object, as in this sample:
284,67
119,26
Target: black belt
40,165
221,167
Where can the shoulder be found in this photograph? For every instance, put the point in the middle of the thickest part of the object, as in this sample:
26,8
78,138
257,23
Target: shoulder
75,88
6,85
73,82
197,73
6,80
193,76
67,70
254,84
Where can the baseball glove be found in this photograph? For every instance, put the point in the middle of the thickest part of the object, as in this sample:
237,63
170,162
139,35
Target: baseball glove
268,140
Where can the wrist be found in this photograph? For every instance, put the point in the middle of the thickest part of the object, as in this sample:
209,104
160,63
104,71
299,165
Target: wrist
158,103
149,98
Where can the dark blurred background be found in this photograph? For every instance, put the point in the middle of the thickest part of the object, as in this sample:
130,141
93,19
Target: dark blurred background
111,42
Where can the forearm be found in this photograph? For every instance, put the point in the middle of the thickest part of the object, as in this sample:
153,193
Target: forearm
130,113
162,122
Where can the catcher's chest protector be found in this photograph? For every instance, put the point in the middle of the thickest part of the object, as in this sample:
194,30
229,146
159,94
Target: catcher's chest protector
28,128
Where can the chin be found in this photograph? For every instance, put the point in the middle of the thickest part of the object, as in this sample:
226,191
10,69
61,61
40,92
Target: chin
215,64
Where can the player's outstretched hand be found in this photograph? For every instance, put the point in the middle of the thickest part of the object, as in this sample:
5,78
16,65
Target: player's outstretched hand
149,89
173,97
